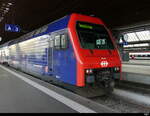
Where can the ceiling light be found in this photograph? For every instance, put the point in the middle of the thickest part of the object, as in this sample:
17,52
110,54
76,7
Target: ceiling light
10,4
1,18
3,4
7,9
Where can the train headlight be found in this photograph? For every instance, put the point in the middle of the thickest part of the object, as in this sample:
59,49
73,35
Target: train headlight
89,71
117,69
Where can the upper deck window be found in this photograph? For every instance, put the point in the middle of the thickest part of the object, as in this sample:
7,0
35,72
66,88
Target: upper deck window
93,36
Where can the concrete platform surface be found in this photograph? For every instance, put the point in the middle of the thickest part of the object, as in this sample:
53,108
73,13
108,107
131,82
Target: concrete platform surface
138,69
21,93
138,62
136,73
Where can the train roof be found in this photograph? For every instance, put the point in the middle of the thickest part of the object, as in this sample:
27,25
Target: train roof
5,44
53,26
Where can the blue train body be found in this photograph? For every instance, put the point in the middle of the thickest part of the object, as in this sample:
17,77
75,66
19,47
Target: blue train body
35,56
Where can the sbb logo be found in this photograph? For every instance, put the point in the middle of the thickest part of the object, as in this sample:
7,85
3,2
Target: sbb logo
104,63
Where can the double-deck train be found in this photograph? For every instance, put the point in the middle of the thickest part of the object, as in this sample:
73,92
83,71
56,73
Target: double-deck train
77,52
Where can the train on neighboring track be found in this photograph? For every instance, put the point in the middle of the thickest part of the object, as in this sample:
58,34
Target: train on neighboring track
140,55
77,52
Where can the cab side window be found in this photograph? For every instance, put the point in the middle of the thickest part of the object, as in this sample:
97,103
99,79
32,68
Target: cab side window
57,42
61,41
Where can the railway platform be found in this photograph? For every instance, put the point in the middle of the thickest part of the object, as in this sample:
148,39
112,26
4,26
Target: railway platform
21,93
138,62
137,72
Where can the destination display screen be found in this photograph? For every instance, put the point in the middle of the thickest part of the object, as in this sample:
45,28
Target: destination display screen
93,36
85,26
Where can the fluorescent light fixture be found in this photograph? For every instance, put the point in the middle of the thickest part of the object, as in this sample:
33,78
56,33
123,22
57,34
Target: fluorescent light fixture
7,9
3,4
10,4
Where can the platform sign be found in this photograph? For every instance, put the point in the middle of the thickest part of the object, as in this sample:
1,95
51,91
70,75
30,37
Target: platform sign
125,43
12,28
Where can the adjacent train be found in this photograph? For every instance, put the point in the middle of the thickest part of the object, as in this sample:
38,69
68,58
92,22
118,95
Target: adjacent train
77,52
139,55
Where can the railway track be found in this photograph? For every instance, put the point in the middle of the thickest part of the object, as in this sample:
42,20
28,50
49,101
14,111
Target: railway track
127,97
123,100
122,104
136,87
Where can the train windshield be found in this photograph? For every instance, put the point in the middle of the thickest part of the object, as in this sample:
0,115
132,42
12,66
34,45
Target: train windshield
93,36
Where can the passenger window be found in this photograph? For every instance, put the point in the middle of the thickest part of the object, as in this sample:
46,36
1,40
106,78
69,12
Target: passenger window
57,42
64,41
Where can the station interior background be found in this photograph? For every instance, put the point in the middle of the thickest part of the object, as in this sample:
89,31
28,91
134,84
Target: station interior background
128,20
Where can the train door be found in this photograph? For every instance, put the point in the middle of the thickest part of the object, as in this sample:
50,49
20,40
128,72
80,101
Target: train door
50,53
64,63
60,56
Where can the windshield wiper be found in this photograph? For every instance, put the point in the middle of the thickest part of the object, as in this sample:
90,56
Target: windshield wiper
91,51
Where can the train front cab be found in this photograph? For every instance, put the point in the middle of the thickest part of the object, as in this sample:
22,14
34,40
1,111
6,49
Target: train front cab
98,60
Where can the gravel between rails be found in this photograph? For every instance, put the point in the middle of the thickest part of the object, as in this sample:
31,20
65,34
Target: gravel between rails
120,105
134,87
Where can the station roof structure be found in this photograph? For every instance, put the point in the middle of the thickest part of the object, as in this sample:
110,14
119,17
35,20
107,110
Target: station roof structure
118,15
137,41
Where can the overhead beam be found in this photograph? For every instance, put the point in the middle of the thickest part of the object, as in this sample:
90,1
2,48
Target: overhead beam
136,50
134,28
142,50
137,47
139,42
